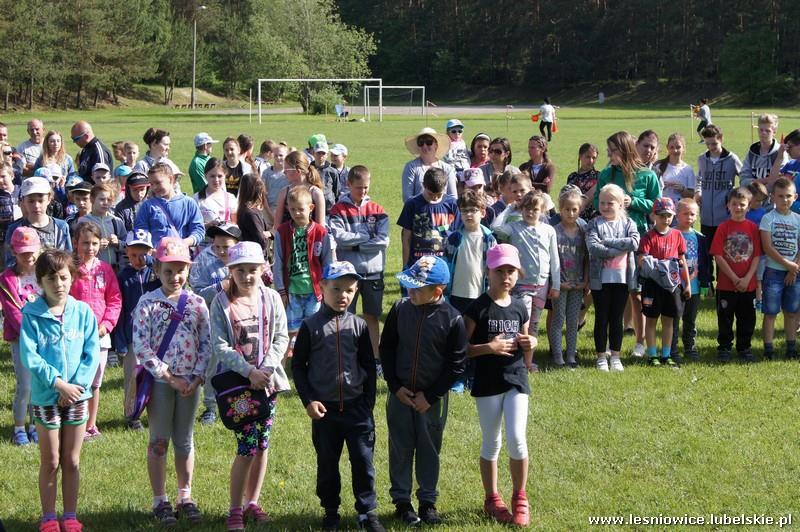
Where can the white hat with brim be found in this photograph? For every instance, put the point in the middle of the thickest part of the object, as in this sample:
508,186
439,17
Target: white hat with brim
442,142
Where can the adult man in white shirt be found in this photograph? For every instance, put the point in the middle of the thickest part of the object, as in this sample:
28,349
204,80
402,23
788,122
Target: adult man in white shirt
31,149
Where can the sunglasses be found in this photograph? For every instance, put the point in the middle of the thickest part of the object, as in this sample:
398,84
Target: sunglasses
9,152
425,142
497,151
76,138
457,130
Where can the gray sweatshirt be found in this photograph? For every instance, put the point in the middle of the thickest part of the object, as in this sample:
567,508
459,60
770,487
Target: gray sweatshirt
714,181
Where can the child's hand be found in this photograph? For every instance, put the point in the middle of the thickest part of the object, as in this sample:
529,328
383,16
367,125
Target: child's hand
101,331
178,384
567,286
103,243
113,240
285,300
316,410
687,294
190,389
421,404
626,201
406,397
527,342
259,379
553,294
69,393
502,346
740,284
790,279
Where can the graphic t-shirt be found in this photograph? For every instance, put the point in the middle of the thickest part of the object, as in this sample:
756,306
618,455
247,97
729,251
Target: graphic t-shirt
692,259
572,253
244,314
738,243
496,374
585,181
234,175
429,224
784,230
299,272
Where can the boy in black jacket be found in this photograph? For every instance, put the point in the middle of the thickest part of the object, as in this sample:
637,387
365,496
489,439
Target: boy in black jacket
334,372
423,350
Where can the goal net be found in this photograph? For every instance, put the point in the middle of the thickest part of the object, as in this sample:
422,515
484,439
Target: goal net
288,82
395,99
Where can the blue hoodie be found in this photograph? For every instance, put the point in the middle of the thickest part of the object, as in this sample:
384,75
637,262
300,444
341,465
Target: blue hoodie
133,284
180,216
67,348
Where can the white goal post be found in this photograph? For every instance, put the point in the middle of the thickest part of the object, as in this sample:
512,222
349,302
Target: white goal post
380,88
300,80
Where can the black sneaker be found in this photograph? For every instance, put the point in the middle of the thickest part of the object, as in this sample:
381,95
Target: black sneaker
724,356
790,354
428,513
134,424
331,520
208,417
747,356
677,358
694,355
164,514
769,355
371,523
404,511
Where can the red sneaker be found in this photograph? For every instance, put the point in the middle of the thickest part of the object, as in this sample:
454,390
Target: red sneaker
497,509
49,526
71,525
522,516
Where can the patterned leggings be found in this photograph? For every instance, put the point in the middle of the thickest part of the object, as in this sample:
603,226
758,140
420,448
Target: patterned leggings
567,305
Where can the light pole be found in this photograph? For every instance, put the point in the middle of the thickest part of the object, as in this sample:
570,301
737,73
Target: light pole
194,54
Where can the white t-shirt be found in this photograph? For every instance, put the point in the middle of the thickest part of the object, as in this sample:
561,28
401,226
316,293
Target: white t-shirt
682,175
468,278
547,113
30,151
785,233
215,208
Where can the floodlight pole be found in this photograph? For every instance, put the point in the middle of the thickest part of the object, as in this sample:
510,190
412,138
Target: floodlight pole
194,54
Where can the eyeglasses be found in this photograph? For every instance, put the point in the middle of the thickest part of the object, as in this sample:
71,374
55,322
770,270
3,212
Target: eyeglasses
76,138
497,151
457,130
425,142
469,211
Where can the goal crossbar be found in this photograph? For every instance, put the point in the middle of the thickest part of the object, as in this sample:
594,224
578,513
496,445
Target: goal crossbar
380,96
300,80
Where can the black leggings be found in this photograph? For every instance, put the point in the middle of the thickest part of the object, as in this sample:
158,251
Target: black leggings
609,306
542,126
701,125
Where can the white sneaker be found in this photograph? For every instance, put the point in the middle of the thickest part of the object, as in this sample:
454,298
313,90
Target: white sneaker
638,351
602,363
616,364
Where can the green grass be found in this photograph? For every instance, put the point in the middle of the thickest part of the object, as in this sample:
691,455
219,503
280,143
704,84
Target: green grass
701,440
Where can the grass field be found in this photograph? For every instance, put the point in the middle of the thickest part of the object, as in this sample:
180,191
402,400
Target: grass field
705,439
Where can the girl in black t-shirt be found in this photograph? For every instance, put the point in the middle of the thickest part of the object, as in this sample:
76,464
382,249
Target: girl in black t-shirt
497,328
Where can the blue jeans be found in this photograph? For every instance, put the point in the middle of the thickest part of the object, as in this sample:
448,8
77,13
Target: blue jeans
777,295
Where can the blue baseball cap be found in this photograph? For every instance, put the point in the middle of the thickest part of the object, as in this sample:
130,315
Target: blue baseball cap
122,170
427,271
453,122
337,269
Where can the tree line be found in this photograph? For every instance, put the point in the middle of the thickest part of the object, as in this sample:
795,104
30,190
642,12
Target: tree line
747,45
72,53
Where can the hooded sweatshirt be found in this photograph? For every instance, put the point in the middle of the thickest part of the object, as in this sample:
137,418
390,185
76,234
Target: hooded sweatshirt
715,180
757,166
51,347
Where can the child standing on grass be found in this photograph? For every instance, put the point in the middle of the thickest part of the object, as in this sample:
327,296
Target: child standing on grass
339,395
248,331
538,249
611,239
112,229
574,267
676,176
736,248
59,346
361,230
18,287
96,285
300,172
716,174
178,365
500,343
663,250
135,280
585,178
780,235
302,250
698,263
423,349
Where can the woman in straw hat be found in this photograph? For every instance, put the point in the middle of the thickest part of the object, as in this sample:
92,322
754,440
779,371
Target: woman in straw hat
429,147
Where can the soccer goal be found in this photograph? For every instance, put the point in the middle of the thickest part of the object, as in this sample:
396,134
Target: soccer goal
401,96
379,81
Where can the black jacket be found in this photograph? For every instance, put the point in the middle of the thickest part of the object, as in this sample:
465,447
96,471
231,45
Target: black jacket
423,348
333,360
94,152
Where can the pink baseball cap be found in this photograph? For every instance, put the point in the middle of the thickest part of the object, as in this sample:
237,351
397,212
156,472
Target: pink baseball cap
173,249
25,240
473,176
503,255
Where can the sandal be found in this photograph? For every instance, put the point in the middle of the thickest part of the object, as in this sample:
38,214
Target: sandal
190,510
256,513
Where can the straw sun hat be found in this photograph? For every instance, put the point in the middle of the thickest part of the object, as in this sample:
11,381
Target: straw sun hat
442,142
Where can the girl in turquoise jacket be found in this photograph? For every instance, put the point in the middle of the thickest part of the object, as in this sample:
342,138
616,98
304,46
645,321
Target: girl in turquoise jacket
60,347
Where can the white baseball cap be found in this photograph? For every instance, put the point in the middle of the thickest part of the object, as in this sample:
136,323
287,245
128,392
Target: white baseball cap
203,138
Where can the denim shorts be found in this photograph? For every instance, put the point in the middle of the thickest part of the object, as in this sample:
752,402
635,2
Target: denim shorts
777,296
301,306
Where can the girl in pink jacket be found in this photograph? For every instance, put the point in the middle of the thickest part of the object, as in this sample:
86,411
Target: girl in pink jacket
96,285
